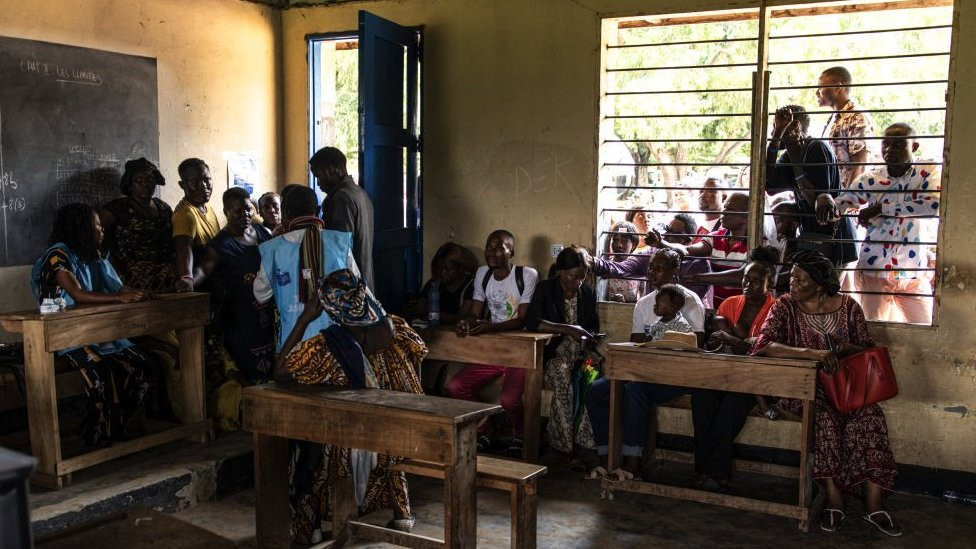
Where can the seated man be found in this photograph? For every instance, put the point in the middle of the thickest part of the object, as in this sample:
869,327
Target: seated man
506,290
678,231
891,249
726,247
638,397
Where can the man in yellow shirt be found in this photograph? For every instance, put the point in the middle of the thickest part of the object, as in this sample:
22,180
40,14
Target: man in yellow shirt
194,223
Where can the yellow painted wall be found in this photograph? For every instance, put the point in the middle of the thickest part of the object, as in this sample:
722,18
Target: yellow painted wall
217,73
510,129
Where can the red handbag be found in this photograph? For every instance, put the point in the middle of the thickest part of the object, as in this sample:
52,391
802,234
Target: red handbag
861,379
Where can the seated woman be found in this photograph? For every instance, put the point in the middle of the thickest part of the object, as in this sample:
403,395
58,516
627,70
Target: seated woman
563,305
365,348
247,327
452,268
852,454
72,268
718,416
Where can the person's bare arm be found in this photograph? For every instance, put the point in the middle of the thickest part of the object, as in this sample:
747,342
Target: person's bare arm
860,156
517,322
725,278
828,359
70,284
184,262
312,310
702,248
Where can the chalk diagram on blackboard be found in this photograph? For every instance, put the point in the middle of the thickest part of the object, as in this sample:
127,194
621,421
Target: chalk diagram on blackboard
69,120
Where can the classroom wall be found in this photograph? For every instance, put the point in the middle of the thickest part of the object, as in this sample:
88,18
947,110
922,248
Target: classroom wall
217,75
510,134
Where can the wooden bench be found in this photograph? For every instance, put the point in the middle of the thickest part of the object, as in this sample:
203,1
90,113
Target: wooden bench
515,477
511,349
744,374
44,335
434,429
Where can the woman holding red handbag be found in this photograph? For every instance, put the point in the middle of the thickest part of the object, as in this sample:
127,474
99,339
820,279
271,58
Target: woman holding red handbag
852,454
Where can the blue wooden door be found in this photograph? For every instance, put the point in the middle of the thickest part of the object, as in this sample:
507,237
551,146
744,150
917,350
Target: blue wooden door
389,152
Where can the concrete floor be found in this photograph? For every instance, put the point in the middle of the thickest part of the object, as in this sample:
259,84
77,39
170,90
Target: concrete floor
572,514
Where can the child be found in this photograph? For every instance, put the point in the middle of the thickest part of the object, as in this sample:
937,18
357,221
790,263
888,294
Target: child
504,291
667,305
114,372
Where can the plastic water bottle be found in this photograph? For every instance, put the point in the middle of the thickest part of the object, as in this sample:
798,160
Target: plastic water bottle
955,497
434,304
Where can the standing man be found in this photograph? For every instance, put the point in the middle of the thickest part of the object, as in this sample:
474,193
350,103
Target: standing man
194,223
710,201
891,250
346,207
269,206
847,128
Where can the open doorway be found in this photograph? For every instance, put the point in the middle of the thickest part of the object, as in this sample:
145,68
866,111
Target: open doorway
333,61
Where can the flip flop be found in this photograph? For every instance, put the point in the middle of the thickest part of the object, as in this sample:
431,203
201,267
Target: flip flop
829,519
596,473
620,474
886,524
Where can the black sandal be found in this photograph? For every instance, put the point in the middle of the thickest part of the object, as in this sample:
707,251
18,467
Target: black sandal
831,519
884,522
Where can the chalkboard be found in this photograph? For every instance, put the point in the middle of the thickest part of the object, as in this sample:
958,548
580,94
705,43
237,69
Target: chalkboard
69,119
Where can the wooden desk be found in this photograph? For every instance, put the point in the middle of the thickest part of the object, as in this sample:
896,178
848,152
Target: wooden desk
85,324
428,428
511,349
743,374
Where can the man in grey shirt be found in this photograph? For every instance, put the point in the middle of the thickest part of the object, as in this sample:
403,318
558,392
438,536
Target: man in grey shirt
346,207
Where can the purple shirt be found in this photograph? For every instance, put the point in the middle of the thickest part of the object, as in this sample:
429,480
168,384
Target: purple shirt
636,266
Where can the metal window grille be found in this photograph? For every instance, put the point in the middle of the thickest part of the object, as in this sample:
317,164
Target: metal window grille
691,97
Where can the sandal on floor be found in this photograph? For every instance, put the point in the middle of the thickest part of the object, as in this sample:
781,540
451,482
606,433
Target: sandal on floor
404,524
830,519
596,473
620,474
515,448
883,521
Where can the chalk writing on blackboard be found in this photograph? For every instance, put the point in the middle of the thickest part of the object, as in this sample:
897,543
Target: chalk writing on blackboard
60,73
84,175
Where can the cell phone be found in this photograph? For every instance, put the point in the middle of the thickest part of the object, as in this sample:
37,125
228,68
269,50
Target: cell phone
599,335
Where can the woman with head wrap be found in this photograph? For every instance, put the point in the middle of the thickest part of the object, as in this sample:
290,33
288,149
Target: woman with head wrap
852,454
139,229
364,348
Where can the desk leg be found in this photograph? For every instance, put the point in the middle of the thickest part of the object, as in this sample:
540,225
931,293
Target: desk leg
42,407
272,514
192,375
806,478
532,400
616,427
524,516
460,497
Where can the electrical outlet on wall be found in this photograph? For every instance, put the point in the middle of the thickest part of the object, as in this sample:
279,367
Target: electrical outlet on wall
555,249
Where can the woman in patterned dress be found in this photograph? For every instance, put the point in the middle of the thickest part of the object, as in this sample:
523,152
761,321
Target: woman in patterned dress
365,348
564,306
852,454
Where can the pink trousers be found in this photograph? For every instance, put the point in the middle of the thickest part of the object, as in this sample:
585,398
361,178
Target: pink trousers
475,376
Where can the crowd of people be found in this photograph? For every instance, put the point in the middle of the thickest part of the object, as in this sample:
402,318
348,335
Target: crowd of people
291,282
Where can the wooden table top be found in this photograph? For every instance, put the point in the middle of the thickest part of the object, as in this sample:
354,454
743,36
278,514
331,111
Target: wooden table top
675,356
188,299
447,332
443,410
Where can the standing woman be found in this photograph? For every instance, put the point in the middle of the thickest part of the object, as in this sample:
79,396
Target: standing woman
114,372
139,230
852,454
564,306
247,326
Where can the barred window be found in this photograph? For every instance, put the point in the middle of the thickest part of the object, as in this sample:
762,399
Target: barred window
687,113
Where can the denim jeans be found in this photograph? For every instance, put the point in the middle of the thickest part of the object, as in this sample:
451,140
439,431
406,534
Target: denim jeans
638,398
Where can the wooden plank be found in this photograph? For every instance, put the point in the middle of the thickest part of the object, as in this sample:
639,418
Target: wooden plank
398,404
727,373
395,537
616,428
532,407
689,494
761,467
489,468
806,484
189,300
460,496
511,349
271,506
192,374
688,357
524,516
42,405
132,446
150,317
366,427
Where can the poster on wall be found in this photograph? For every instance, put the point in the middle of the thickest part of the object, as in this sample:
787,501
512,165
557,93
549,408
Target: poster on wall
242,171
70,117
